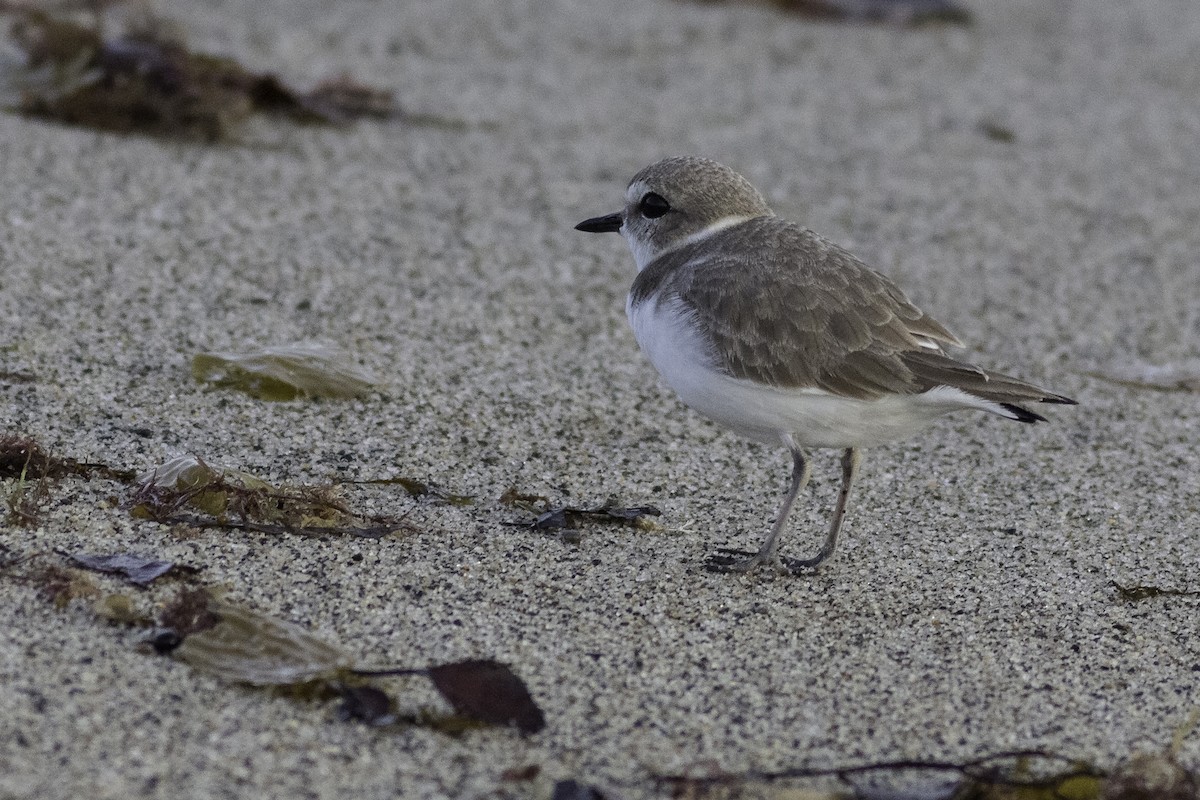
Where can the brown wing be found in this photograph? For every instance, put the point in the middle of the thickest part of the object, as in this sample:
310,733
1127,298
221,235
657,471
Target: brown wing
804,314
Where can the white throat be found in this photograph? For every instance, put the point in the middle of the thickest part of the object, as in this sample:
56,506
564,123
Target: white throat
644,252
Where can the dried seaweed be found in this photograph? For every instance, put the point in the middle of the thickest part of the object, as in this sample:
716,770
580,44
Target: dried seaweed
422,489
224,498
23,456
189,613
1135,593
571,517
558,518
285,373
891,12
1183,376
59,585
25,500
147,80
1000,776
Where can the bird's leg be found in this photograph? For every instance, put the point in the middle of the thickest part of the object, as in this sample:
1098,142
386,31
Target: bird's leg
726,560
851,458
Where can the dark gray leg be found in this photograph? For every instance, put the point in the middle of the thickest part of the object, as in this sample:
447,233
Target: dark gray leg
851,458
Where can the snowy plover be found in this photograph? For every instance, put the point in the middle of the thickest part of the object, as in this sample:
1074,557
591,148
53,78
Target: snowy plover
784,337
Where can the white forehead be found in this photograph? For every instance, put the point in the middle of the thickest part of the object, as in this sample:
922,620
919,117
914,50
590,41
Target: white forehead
636,191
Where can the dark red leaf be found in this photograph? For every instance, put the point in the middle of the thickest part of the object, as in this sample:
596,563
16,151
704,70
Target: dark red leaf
489,692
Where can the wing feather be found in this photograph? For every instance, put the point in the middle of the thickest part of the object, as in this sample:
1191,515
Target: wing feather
808,315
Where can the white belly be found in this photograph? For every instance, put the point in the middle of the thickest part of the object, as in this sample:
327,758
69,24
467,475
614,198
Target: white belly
811,417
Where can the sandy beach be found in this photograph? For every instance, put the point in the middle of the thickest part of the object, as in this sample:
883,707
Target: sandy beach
1030,180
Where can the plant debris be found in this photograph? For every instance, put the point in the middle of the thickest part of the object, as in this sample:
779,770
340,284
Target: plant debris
571,517
528,502
526,772
245,646
57,584
138,570
119,608
189,612
1135,593
481,691
1183,376
418,489
488,691
902,13
368,704
227,498
14,376
147,80
557,518
25,500
1001,776
342,99
997,131
1152,776
23,457
32,467
571,789
285,372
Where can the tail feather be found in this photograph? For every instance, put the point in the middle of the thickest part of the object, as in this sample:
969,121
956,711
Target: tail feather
1022,414
937,369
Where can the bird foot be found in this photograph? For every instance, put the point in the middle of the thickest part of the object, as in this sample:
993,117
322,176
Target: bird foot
726,560
741,561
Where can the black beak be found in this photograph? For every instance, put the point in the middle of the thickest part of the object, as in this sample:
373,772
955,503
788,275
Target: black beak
609,223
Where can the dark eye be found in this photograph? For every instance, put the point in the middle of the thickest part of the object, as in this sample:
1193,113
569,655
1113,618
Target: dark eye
654,206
